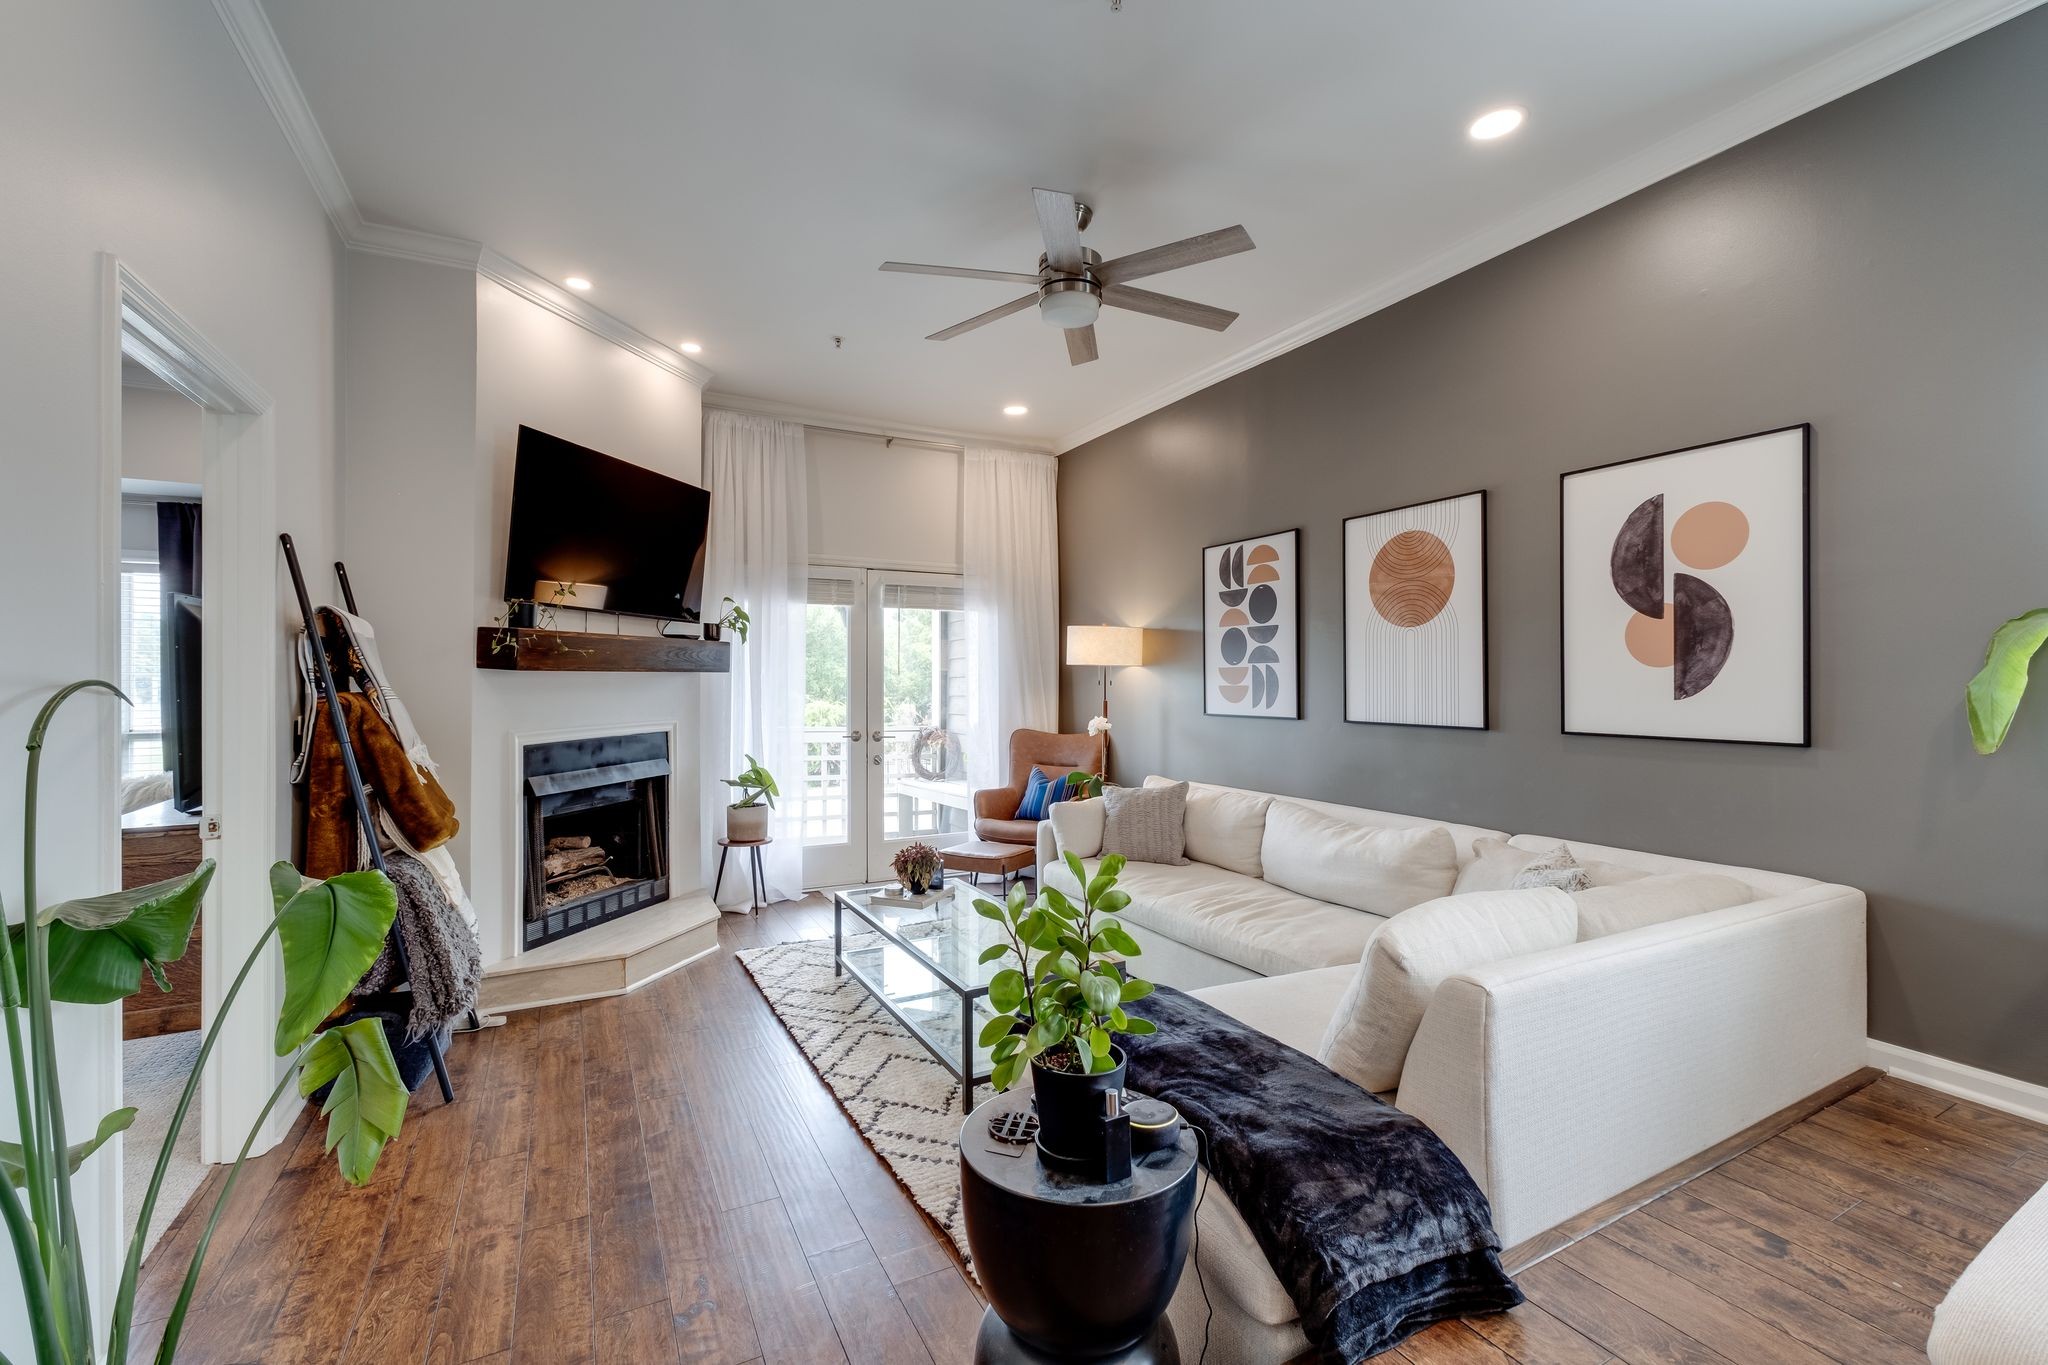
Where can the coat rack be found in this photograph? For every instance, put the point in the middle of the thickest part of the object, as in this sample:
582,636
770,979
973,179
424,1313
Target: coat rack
365,819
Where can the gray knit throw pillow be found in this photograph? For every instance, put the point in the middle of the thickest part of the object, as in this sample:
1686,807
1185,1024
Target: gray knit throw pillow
1146,824
1559,868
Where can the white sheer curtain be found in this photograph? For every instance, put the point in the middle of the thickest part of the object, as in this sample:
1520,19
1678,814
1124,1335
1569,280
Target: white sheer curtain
759,556
1010,553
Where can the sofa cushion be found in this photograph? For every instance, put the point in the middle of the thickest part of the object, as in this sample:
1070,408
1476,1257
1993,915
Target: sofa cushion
1007,831
1763,884
1224,827
1616,909
1379,870
1239,919
1364,815
1077,826
1496,864
1419,949
1295,1008
1146,824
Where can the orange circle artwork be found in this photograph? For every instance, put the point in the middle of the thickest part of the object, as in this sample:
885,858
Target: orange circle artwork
1411,579
1649,638
1709,535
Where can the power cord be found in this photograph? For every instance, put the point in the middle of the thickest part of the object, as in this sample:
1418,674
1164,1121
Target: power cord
1208,1179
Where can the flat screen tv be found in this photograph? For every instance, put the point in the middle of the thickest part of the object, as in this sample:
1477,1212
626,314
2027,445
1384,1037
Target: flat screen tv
624,537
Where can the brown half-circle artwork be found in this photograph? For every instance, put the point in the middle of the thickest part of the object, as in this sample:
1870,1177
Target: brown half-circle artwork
1233,617
1411,579
1234,675
1709,535
1262,553
1703,635
1233,692
1636,563
1263,573
1649,639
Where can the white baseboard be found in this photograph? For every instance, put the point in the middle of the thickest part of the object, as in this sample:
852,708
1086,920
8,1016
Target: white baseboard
1988,1088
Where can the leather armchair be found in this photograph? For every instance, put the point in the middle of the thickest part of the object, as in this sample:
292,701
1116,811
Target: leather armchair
995,808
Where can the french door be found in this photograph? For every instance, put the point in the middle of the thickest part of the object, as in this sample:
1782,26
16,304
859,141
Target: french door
885,708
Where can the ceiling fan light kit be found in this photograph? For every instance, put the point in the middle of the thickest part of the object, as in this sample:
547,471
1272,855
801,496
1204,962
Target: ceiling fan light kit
1073,282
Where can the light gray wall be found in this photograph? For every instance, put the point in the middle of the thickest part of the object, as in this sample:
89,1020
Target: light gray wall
1878,268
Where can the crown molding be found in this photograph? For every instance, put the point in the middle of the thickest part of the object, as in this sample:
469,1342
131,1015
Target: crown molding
870,426
249,27
1904,43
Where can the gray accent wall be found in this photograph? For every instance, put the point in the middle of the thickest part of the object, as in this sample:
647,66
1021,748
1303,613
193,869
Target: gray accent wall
1878,268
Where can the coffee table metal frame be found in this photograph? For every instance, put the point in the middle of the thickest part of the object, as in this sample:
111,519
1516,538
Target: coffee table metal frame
961,1067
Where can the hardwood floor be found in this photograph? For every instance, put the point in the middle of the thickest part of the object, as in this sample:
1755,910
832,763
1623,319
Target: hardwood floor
661,1178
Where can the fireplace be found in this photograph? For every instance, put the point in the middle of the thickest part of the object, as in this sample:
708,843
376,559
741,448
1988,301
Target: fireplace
596,831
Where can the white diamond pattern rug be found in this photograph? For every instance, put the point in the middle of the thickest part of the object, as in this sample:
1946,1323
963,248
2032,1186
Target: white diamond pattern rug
904,1103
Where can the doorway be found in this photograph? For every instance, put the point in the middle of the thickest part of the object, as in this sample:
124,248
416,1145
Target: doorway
885,709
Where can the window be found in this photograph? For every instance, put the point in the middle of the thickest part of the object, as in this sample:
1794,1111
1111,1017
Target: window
142,724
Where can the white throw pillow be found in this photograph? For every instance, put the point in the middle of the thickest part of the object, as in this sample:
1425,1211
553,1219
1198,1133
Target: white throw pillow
1496,863
1367,867
1225,829
1418,950
1077,826
1605,910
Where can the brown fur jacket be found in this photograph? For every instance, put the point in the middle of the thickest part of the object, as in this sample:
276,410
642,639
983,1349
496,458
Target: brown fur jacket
421,810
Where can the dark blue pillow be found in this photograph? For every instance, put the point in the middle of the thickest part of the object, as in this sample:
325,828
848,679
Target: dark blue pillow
1041,791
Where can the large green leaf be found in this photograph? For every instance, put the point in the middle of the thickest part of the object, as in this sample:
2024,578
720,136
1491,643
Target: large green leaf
1994,694
13,1167
100,946
367,1104
330,933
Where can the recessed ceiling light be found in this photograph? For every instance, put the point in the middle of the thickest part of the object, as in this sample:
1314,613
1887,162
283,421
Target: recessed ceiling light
1015,410
1497,123
577,283
689,348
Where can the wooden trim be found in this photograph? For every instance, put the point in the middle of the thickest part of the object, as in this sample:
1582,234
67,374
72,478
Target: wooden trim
1522,1255
567,651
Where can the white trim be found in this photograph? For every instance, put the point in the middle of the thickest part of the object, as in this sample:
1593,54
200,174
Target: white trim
1988,1088
1911,40
869,426
256,40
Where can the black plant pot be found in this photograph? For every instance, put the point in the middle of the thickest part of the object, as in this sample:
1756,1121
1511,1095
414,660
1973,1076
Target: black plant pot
712,630
1070,1110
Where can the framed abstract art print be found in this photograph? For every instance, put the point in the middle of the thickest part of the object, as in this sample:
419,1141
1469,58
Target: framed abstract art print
1415,615
1684,580
1251,627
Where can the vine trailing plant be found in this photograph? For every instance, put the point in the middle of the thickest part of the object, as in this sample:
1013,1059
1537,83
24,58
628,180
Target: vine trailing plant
95,952
1993,696
1059,1011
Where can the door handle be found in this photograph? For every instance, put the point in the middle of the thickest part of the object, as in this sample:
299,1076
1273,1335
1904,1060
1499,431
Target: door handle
855,736
875,735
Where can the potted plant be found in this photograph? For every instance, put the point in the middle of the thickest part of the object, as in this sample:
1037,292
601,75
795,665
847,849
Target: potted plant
1059,1011
746,820
1994,694
915,865
97,951
735,620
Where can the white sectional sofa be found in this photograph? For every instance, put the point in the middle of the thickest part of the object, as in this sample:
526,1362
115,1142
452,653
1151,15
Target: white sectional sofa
1560,1078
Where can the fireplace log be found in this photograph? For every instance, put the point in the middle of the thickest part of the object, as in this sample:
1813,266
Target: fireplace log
570,860
562,843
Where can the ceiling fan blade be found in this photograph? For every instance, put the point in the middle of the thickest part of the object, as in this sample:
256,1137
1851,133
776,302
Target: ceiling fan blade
1187,251
1081,345
965,272
1167,306
982,319
1060,224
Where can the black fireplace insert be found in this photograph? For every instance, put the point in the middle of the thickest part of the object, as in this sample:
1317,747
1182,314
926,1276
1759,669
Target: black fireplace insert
596,832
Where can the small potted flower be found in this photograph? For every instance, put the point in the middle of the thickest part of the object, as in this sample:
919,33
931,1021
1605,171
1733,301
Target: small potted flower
915,866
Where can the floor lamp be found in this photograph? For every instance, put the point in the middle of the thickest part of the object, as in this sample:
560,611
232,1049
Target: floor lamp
1103,648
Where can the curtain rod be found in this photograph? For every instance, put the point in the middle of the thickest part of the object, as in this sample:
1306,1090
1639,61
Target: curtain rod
954,446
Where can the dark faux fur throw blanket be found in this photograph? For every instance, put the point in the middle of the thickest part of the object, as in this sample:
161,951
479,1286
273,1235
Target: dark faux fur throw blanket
447,962
1371,1224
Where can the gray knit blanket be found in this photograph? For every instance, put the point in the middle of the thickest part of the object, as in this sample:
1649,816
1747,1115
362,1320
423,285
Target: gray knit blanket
447,962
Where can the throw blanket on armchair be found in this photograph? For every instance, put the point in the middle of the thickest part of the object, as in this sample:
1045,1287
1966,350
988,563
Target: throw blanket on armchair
1371,1224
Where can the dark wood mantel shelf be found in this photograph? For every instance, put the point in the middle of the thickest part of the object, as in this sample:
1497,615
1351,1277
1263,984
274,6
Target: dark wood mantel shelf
569,651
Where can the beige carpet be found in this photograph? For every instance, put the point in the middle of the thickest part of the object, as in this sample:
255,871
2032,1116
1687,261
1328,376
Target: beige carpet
905,1104
153,1072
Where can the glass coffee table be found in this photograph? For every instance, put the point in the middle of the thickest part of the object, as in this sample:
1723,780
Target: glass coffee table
922,965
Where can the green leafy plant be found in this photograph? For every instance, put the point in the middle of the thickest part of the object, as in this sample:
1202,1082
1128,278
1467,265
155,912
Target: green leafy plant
96,951
1060,1010
756,783
1081,786
1994,694
736,619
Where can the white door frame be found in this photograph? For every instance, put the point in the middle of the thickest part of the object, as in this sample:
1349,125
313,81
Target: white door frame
243,825
881,848
846,864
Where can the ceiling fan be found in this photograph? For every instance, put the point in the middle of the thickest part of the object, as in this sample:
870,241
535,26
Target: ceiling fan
1073,283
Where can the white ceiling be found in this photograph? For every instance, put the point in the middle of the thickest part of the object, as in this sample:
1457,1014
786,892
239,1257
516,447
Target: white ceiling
733,172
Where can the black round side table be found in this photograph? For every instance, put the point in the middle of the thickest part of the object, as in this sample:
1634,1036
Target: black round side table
1074,1269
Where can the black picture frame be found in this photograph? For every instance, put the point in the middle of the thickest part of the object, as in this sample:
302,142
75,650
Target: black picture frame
1485,613
1805,740
1300,655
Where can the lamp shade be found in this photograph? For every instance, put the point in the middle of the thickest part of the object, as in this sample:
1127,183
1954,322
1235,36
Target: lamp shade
1105,646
